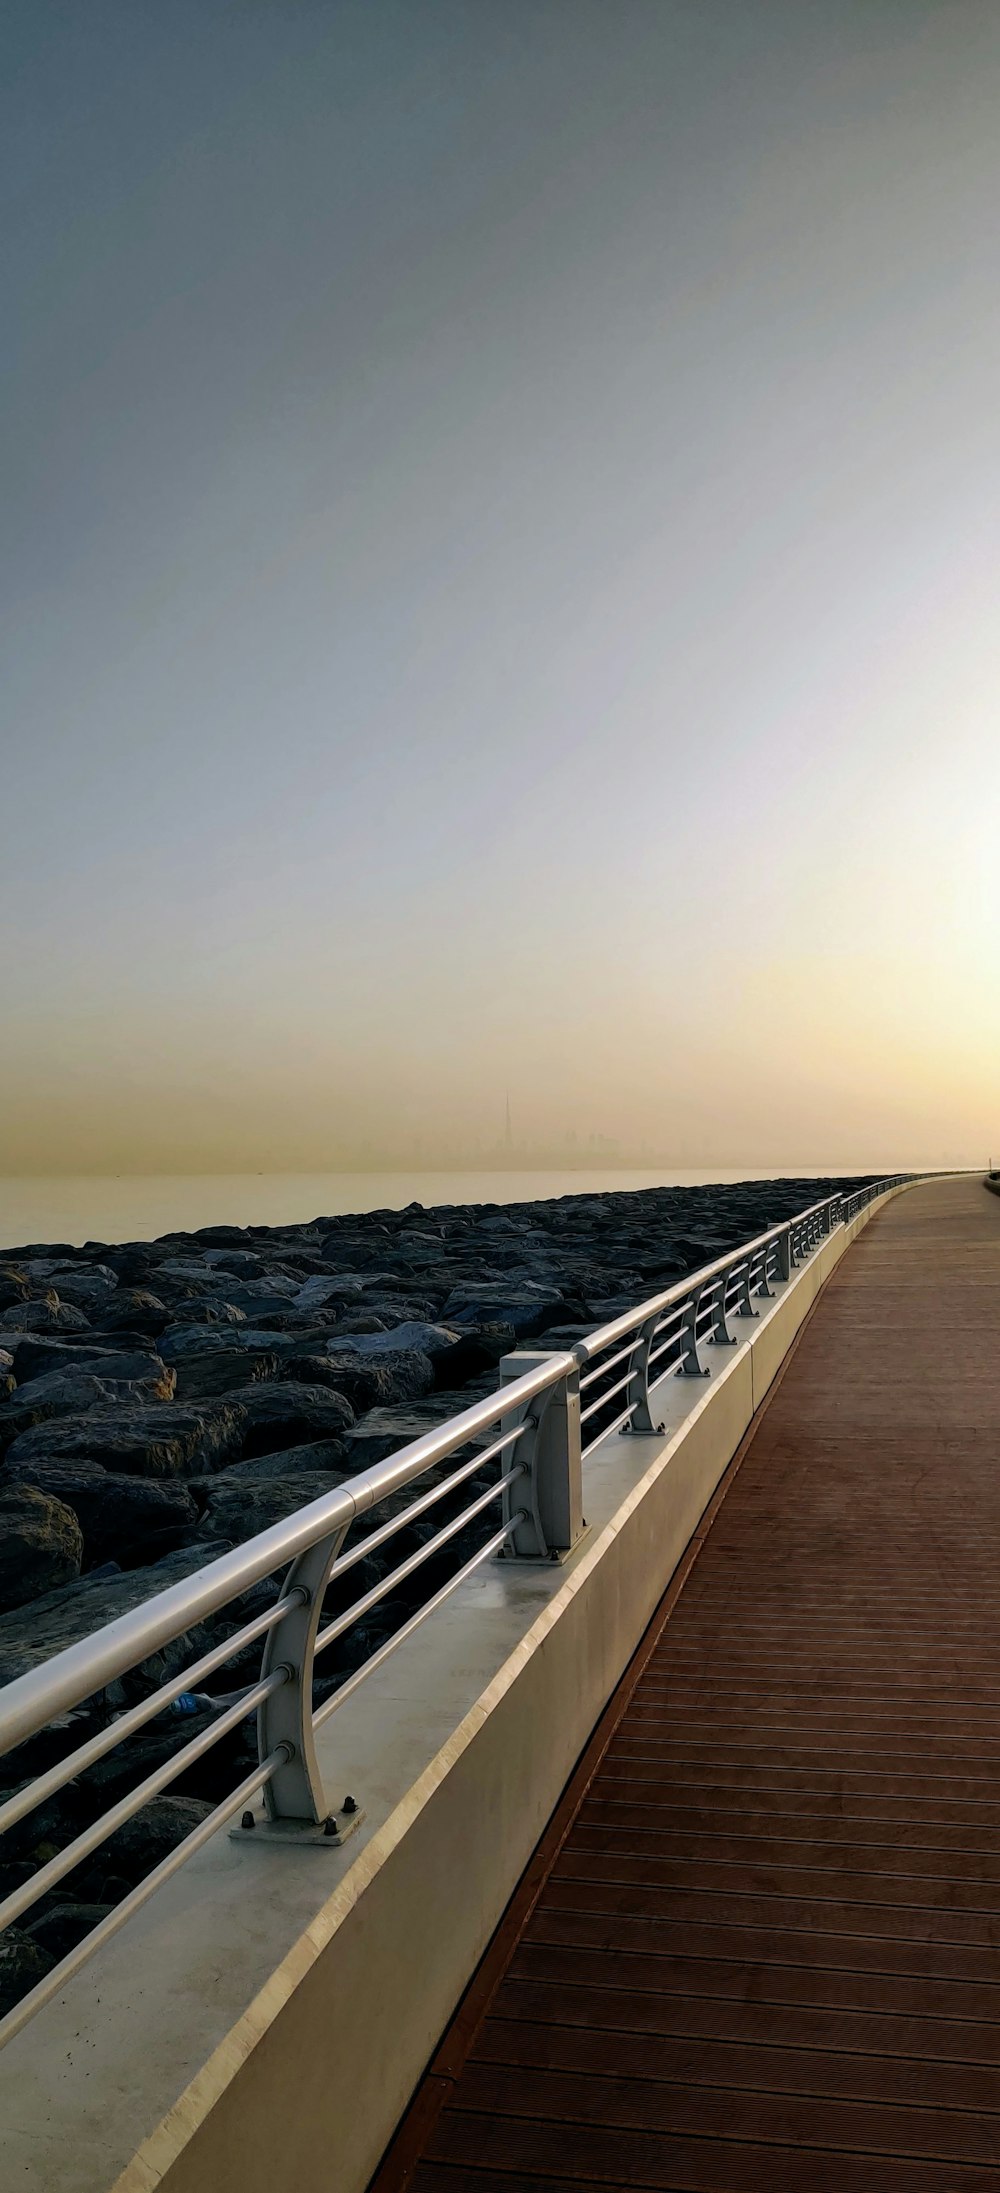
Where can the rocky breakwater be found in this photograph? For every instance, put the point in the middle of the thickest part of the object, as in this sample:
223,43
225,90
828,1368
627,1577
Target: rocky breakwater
162,1401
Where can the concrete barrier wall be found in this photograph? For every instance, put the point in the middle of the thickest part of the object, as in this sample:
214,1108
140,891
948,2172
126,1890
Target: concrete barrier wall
262,2024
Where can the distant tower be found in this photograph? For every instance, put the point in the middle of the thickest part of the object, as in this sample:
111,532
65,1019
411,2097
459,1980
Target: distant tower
507,1137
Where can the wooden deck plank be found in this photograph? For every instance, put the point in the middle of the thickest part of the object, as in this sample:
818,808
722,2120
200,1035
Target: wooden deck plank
763,1952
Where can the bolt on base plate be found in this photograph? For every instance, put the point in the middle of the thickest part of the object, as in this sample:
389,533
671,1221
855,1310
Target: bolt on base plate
328,1834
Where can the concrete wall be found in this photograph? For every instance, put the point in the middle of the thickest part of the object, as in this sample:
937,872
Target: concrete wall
261,2025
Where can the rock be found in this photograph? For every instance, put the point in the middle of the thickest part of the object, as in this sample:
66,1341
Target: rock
284,1414
321,1290
34,1356
64,1393
374,1381
59,1930
151,1834
23,1962
14,1288
180,1341
31,1634
41,1544
528,1308
116,1514
315,1456
137,1310
163,1440
241,1263
87,1286
239,1510
383,1432
429,1340
221,1371
44,1317
205,1310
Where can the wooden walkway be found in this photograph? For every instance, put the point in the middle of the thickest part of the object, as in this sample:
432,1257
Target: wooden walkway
759,1949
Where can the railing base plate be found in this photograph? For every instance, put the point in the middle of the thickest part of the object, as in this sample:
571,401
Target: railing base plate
329,1834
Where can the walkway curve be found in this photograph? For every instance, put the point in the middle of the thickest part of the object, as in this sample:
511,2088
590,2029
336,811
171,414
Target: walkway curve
762,1953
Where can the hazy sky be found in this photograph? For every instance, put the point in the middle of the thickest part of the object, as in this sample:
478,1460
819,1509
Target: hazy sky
500,533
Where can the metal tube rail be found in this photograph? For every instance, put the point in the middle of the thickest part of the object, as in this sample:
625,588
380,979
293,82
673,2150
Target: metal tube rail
54,1981
656,1339
414,1561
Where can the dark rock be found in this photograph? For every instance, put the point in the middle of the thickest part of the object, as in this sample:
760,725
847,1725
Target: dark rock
384,1431
87,1287
433,1341
136,1309
116,1514
238,1510
284,1414
163,1440
204,1377
44,1317
528,1308
204,1310
23,1962
33,1633
35,1356
374,1381
180,1341
59,1930
151,1834
315,1456
65,1393
14,1288
41,1545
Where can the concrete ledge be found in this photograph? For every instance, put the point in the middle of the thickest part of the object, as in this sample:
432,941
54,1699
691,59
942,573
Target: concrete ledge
262,2023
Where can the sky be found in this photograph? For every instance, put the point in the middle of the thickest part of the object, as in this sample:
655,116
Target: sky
499,572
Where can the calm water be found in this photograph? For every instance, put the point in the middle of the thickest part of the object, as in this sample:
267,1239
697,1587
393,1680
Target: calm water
137,1207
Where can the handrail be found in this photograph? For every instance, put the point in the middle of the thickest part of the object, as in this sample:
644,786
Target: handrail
536,1421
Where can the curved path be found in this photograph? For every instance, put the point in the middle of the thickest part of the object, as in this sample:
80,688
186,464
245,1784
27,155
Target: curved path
759,1949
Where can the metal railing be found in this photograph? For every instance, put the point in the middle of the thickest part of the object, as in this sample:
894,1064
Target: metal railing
533,1437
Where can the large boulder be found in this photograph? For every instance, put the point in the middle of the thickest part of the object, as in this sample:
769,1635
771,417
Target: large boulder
384,1431
208,1310
180,1341
35,1355
285,1414
23,1962
64,1393
41,1544
375,1381
44,1317
31,1634
527,1307
222,1371
429,1340
151,1834
134,1309
64,1925
88,1286
162,1440
316,1455
118,1515
241,1510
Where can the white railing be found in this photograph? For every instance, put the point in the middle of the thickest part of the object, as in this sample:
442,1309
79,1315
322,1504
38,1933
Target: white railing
533,1435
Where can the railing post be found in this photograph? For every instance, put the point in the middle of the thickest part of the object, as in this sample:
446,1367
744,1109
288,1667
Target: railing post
295,1791
746,1308
637,1390
720,1336
691,1363
552,1489
785,1258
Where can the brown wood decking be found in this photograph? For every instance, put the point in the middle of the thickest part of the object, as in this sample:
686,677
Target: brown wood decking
759,1951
